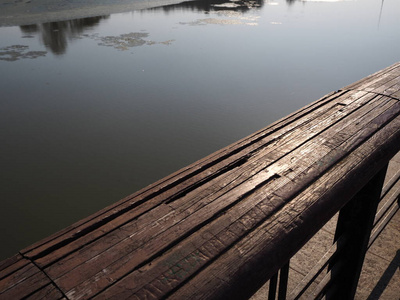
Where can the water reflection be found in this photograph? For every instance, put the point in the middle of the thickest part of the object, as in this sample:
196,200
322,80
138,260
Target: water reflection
56,35
214,5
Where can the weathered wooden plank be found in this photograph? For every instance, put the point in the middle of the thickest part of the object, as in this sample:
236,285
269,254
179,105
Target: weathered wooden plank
362,128
12,264
388,87
116,251
141,274
9,261
394,91
395,95
22,283
48,292
276,239
123,266
17,277
382,83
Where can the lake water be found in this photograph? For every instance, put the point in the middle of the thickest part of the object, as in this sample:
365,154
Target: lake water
94,109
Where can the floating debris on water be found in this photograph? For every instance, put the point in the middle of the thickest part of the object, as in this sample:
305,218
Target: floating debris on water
169,42
17,52
121,42
214,21
124,41
237,20
128,40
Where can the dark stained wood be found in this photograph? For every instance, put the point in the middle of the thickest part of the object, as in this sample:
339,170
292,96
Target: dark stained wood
273,282
11,265
10,261
355,222
220,227
49,291
18,276
283,281
27,282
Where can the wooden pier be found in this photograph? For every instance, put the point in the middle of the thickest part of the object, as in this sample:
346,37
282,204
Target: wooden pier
223,226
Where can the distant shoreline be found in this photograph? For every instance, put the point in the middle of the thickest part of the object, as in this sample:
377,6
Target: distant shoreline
27,12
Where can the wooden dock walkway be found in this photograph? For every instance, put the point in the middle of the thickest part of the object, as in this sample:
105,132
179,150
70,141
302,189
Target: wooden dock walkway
221,227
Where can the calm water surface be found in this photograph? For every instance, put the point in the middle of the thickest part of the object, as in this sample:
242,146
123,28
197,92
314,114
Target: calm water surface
94,109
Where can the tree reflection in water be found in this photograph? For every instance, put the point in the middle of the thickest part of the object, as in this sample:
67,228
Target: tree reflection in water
214,5
56,35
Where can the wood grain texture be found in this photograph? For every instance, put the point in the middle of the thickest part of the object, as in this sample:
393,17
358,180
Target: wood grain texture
28,282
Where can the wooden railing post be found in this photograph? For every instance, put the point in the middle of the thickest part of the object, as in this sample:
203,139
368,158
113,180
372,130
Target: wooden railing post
283,282
355,223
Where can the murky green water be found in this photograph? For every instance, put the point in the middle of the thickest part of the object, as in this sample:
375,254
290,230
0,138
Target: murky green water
94,109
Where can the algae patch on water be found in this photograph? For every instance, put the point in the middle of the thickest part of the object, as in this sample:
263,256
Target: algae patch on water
17,52
128,40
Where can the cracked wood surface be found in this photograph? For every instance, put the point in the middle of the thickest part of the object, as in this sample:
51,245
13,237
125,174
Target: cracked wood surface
221,226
